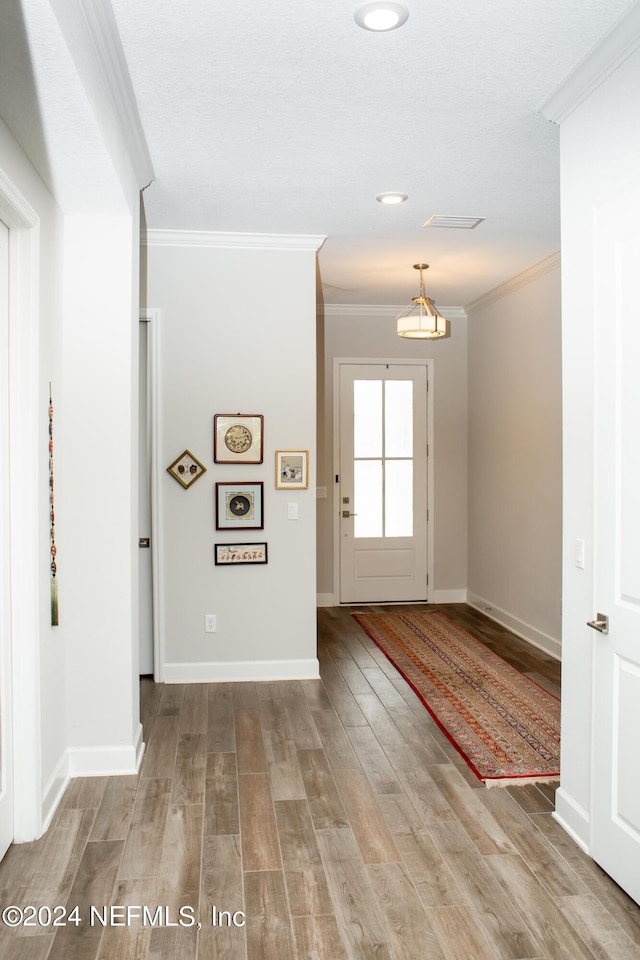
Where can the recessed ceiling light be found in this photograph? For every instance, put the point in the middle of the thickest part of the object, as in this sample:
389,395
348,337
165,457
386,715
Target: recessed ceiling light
391,198
381,15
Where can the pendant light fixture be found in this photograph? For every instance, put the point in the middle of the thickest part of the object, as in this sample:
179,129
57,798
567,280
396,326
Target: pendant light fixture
421,320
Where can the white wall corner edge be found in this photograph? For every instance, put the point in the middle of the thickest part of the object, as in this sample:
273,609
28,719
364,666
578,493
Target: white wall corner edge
573,818
252,670
531,634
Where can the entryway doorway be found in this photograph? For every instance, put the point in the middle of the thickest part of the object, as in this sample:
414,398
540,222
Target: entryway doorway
383,488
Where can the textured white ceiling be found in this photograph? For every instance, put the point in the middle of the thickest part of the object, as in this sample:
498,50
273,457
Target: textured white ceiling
285,117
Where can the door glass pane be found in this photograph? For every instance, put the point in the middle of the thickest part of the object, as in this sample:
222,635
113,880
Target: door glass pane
398,498
398,418
367,498
367,418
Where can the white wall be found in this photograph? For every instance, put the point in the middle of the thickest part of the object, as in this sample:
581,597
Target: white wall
41,648
515,455
97,492
358,334
76,704
237,333
601,96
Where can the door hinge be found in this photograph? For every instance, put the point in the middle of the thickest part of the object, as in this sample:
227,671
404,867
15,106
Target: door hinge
337,478
427,449
427,579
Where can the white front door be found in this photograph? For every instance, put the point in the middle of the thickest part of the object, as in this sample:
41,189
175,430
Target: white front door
6,731
383,482
615,815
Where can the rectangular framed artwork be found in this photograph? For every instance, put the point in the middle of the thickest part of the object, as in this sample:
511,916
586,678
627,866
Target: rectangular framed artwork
292,469
239,506
232,554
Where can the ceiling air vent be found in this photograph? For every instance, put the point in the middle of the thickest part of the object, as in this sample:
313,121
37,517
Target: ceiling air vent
454,223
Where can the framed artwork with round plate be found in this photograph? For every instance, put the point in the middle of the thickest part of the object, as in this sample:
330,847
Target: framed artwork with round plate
238,437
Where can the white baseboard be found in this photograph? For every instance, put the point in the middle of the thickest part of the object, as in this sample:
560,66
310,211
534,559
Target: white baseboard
58,782
139,746
439,596
89,762
106,761
543,641
572,818
449,596
325,600
251,670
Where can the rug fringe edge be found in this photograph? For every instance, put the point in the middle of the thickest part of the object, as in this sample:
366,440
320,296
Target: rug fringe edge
517,781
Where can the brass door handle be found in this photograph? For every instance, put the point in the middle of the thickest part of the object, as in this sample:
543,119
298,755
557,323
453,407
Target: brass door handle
346,514
601,623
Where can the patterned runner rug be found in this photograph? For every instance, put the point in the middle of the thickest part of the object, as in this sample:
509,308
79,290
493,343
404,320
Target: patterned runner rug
505,726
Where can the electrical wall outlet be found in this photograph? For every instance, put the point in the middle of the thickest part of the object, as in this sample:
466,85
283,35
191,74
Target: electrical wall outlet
209,623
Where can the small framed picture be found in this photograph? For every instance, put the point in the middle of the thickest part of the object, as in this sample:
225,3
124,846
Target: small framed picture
292,469
238,437
186,469
231,554
239,505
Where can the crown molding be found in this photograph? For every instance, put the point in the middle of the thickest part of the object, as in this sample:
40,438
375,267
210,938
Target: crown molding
244,241
384,311
521,280
91,33
20,212
616,46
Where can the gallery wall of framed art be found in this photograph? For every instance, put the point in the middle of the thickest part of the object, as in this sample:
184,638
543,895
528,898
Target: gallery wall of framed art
230,395
238,439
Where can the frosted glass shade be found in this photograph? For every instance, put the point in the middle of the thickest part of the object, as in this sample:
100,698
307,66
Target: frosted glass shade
424,324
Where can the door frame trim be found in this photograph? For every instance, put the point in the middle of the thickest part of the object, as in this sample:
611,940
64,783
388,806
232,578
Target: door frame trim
151,315
25,417
339,362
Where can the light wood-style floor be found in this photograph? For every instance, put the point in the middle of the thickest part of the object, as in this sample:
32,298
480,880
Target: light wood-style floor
334,815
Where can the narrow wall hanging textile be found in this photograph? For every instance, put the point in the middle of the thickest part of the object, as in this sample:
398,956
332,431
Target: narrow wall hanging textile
52,525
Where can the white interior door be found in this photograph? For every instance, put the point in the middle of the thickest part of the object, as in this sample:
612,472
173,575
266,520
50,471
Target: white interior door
145,575
6,731
615,815
383,482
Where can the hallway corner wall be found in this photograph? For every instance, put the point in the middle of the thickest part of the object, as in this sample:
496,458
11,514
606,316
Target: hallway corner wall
515,454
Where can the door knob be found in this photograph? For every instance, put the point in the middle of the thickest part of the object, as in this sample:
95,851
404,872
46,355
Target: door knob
601,623
346,514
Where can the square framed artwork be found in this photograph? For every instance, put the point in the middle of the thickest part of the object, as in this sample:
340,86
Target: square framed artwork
292,469
238,437
186,469
232,554
239,506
